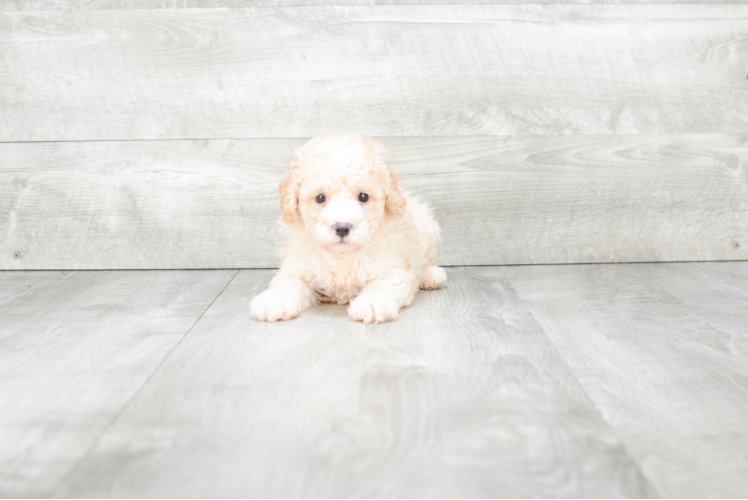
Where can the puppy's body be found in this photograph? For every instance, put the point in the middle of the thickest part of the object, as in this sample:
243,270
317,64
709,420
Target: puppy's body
351,235
401,246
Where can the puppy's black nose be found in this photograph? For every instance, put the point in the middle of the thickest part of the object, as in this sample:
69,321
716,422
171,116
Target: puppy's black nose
342,229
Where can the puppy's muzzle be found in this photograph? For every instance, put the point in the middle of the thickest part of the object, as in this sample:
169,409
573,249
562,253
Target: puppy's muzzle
342,229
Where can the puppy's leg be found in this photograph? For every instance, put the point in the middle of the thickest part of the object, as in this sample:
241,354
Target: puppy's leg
285,298
433,277
381,299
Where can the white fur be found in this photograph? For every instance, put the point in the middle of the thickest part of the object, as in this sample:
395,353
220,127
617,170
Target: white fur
389,253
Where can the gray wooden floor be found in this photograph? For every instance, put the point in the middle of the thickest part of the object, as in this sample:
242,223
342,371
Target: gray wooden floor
579,380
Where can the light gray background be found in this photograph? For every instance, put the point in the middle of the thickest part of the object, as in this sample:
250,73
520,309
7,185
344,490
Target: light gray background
141,138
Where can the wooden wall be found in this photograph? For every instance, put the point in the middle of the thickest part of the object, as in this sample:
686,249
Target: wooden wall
141,135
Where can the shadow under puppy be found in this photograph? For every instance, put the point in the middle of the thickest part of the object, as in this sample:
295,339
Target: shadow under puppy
351,235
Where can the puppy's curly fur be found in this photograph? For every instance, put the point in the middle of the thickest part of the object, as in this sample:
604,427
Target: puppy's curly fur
351,235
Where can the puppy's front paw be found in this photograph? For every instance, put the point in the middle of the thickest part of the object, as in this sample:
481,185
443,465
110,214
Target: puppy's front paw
271,305
373,308
433,277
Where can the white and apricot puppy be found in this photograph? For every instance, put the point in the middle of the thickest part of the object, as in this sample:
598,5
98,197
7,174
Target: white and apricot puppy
351,235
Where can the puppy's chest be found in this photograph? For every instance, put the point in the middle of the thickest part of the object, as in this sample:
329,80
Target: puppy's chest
340,283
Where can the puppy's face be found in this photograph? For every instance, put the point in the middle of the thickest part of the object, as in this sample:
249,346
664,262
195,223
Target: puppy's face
343,188
342,212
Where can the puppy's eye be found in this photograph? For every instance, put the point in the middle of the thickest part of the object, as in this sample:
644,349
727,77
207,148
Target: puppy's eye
363,197
320,198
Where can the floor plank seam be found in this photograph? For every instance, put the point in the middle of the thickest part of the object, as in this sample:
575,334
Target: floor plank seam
95,442
634,462
452,266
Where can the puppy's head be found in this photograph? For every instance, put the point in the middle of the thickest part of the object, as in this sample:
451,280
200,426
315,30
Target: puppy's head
343,188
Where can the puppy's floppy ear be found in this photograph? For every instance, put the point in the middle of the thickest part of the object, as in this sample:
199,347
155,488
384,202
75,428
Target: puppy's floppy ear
396,202
288,189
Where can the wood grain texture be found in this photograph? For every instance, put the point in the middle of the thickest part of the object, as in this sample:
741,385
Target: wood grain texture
179,204
662,351
718,291
70,5
75,347
519,200
463,396
401,70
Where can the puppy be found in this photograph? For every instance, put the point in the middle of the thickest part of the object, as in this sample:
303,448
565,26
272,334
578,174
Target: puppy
351,235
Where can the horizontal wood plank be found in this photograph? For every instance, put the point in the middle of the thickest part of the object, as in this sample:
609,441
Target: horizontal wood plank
463,396
521,200
179,204
662,350
75,348
401,70
69,5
